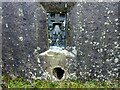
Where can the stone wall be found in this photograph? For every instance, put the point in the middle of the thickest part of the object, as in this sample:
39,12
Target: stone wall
24,32
94,30
96,37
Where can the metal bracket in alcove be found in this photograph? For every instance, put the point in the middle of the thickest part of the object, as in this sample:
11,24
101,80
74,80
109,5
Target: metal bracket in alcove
57,29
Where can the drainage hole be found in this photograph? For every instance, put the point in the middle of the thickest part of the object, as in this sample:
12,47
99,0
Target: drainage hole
58,72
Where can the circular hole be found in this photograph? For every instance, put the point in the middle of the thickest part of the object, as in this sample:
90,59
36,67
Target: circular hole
58,72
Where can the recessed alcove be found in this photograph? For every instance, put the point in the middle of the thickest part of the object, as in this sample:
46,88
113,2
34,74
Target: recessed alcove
57,21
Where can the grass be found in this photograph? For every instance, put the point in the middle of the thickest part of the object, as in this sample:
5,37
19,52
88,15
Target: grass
21,83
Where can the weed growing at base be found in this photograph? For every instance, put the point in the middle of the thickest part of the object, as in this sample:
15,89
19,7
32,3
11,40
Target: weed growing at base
21,83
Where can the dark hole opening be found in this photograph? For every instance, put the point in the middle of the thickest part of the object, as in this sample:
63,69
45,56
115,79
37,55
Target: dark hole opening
58,72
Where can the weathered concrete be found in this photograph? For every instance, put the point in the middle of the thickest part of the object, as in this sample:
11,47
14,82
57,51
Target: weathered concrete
57,63
92,30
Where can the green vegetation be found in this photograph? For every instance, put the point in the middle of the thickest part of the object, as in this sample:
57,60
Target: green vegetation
21,83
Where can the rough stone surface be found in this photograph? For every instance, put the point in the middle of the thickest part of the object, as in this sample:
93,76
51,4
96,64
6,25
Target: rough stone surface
0,42
23,28
57,59
58,6
93,30
96,37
